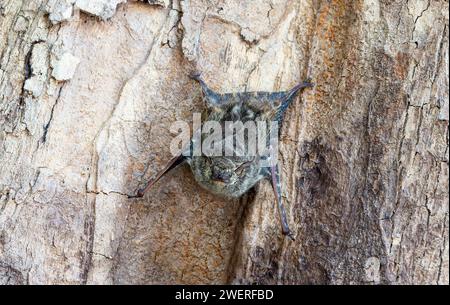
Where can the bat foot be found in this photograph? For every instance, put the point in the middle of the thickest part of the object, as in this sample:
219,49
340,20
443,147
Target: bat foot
307,83
196,75
289,234
139,194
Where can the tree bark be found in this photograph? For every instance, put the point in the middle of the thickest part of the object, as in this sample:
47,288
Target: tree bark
88,90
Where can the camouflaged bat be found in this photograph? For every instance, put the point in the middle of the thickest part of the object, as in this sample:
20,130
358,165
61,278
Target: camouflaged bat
232,176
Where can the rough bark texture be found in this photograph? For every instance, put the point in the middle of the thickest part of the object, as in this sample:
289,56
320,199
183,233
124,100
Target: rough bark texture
88,90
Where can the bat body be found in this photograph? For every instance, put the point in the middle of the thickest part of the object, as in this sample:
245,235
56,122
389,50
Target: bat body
236,169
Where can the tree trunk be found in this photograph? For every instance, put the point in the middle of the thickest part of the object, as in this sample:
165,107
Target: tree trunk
88,90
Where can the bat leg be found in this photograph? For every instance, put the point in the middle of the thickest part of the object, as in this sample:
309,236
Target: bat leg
174,162
275,181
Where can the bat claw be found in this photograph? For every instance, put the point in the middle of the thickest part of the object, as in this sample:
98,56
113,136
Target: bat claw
307,83
196,75
289,234
139,194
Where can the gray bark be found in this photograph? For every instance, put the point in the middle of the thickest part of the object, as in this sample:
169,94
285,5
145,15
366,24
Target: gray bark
88,90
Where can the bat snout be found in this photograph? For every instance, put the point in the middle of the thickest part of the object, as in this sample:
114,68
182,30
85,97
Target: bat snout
221,176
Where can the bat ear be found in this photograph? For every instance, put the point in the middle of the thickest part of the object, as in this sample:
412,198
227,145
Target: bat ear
212,98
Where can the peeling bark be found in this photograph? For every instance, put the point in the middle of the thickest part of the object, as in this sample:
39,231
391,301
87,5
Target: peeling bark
364,154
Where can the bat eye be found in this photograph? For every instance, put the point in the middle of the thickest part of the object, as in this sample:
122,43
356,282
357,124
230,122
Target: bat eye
236,112
250,115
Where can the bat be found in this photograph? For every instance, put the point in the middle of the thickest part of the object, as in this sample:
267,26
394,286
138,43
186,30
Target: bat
232,174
